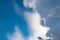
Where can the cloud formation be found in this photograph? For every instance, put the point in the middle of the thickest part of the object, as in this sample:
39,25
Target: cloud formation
17,35
30,3
33,20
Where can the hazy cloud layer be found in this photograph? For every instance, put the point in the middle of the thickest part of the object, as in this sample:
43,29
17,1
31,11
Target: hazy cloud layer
49,7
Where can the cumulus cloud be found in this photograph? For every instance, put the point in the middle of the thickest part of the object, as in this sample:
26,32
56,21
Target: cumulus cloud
17,35
33,19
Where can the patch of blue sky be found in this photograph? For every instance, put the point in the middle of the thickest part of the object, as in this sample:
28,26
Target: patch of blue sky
9,18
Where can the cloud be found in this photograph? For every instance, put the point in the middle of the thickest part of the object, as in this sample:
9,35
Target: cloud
33,19
30,3
37,30
17,35
39,6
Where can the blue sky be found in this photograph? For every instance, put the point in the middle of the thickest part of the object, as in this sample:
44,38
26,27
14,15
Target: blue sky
9,18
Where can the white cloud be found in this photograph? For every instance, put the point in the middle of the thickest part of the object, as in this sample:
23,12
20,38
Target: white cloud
33,19
17,35
30,3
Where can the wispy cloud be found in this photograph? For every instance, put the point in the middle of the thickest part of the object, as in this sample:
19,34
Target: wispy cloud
17,9
17,35
49,7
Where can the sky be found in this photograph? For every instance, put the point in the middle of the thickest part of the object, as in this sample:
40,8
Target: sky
29,19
